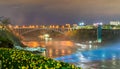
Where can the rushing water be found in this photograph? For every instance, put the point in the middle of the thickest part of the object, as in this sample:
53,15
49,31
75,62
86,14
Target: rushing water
85,55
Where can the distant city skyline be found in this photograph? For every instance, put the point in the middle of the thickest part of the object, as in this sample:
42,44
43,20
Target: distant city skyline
60,11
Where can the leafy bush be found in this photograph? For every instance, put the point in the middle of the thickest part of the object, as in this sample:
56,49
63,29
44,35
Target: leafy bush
6,43
17,59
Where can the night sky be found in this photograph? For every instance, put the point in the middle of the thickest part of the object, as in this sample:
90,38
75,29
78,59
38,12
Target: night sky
60,11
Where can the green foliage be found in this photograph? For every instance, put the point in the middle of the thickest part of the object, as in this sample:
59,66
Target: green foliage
5,42
17,59
5,21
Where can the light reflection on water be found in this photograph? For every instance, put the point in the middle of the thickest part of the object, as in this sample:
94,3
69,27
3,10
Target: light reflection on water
103,59
107,57
54,48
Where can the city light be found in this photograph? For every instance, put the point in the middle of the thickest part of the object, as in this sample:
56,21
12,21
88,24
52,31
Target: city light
96,24
81,24
46,35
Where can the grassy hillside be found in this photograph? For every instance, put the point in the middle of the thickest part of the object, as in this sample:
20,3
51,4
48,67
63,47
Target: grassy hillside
16,59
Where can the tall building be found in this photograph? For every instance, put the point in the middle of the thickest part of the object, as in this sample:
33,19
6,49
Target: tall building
114,22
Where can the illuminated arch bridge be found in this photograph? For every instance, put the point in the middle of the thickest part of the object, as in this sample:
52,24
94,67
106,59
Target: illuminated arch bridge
28,31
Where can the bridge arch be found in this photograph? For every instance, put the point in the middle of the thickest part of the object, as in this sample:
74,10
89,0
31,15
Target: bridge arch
61,31
34,33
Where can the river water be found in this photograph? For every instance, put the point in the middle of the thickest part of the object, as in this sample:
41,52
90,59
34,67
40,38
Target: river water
56,49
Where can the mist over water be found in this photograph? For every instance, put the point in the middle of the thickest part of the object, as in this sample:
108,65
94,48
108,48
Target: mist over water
95,58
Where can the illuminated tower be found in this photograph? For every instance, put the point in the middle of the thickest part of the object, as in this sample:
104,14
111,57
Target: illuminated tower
99,34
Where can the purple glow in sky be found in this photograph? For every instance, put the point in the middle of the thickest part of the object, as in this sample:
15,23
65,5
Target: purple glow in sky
59,11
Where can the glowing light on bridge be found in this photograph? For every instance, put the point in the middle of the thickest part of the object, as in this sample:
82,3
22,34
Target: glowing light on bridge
43,26
36,26
57,26
63,26
16,27
53,26
50,26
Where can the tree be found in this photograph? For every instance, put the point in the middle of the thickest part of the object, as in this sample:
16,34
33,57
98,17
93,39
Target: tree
5,22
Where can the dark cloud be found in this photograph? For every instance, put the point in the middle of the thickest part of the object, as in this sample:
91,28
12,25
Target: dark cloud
59,11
